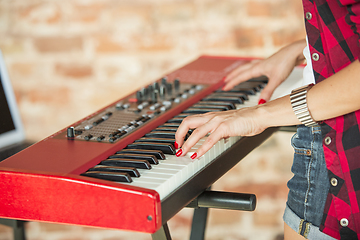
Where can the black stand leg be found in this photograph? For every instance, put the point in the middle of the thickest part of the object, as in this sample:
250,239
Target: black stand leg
162,234
221,200
18,228
198,225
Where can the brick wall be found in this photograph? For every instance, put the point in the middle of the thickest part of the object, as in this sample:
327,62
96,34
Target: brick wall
68,58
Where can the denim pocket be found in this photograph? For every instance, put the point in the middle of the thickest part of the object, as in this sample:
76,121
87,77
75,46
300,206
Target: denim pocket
300,146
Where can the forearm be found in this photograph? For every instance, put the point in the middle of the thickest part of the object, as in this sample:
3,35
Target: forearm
335,96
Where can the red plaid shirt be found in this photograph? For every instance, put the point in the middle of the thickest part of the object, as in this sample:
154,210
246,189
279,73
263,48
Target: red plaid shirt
333,28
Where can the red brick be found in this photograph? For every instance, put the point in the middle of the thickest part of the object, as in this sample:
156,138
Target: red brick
48,95
263,9
74,70
22,69
276,9
56,44
155,42
177,11
224,217
270,219
285,36
42,12
106,44
180,220
88,12
248,37
12,45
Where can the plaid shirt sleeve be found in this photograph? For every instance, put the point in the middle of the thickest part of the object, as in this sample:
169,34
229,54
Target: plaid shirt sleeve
333,28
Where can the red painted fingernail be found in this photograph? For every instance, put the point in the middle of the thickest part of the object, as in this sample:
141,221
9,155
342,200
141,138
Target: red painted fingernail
193,156
178,153
261,101
176,145
224,78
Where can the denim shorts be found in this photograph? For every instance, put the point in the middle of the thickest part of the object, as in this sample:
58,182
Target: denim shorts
309,186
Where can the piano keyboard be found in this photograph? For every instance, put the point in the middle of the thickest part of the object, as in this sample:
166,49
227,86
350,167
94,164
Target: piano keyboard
116,168
167,173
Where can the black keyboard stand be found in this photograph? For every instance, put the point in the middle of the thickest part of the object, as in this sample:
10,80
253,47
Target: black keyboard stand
18,227
201,204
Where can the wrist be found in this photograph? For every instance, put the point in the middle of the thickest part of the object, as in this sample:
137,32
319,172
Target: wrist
276,113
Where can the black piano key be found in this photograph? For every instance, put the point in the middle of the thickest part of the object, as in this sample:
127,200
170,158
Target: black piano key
160,134
133,172
163,134
215,103
158,154
175,120
253,85
248,91
231,94
192,110
150,158
156,140
122,162
262,79
209,106
166,148
183,115
171,125
111,176
167,129
234,100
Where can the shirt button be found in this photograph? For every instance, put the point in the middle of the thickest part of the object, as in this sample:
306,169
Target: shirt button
308,15
315,56
344,222
334,182
327,140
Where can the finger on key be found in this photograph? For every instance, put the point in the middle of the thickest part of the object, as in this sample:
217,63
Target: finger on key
200,132
190,122
238,70
210,141
252,72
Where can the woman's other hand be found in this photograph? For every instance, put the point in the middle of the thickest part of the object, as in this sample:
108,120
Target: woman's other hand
277,68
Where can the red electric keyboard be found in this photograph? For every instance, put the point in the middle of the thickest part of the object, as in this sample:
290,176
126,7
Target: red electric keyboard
116,168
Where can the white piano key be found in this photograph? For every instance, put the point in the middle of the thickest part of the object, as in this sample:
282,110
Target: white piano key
152,174
148,180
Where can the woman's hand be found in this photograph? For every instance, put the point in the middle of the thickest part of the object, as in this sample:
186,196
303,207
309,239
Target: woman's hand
277,68
242,122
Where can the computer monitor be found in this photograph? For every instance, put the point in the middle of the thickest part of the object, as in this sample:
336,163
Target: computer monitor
11,128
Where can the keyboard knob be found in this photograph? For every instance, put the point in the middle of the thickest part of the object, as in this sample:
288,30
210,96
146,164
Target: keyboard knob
154,96
177,84
156,86
162,91
139,96
169,88
70,133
